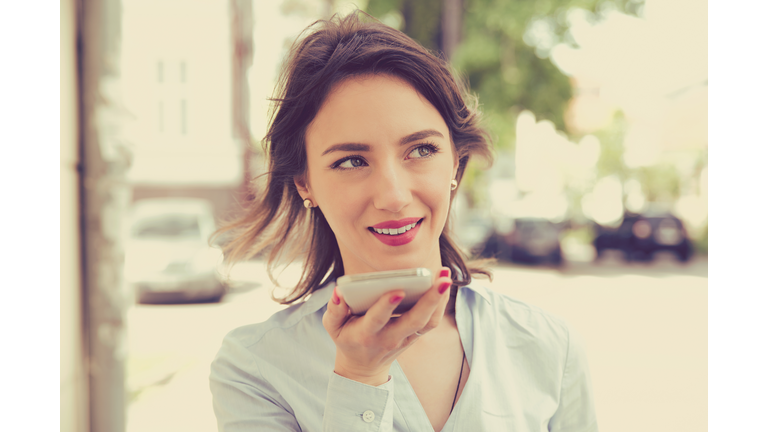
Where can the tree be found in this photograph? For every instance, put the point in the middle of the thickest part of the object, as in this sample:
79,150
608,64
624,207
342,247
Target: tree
503,52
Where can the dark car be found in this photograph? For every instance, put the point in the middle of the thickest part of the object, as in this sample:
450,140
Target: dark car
531,241
640,236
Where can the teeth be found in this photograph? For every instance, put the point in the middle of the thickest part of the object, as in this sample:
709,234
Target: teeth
395,231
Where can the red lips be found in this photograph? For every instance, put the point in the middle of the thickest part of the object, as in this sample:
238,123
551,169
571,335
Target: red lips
399,239
397,223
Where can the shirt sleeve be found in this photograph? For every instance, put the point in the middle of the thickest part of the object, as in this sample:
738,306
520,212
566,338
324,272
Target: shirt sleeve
576,410
242,399
354,406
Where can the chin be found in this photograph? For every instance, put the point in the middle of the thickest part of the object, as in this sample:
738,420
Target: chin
378,257
411,259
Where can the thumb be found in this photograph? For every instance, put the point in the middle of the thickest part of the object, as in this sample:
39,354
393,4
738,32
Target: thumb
336,314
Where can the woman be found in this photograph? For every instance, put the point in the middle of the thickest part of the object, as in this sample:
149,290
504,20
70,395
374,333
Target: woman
371,132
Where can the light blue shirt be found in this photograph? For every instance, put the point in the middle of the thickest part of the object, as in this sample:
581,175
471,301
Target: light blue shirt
528,373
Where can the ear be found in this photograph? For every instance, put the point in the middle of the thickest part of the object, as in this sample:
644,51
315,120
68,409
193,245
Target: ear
301,186
455,167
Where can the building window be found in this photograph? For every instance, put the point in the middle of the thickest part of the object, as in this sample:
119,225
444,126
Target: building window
183,72
183,117
160,71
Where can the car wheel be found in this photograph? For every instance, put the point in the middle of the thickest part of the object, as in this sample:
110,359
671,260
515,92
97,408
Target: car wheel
683,255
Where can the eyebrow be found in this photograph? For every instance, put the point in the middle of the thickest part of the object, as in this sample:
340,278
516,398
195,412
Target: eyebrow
420,135
365,147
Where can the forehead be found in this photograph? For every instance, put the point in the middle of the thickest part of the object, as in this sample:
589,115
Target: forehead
372,109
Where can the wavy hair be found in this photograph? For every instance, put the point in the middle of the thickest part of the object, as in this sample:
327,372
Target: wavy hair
325,54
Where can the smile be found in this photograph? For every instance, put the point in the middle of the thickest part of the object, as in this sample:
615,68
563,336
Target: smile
397,233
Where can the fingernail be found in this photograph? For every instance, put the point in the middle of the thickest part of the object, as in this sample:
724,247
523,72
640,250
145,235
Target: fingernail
445,273
444,287
335,299
396,299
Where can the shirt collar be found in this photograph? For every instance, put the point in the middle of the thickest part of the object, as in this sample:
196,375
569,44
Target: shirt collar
478,289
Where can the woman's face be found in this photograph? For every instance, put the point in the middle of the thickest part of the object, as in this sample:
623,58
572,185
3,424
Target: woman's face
380,161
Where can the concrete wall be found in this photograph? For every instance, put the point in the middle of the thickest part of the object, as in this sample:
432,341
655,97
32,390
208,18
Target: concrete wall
74,384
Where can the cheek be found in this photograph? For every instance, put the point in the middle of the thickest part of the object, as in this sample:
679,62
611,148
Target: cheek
435,193
341,204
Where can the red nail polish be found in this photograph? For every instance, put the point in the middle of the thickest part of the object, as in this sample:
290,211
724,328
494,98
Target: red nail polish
445,273
444,287
396,299
335,299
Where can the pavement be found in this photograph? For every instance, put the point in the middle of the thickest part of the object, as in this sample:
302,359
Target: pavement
644,326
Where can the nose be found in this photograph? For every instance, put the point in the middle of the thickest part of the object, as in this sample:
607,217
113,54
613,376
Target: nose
391,189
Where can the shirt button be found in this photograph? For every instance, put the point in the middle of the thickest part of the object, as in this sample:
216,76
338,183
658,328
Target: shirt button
368,416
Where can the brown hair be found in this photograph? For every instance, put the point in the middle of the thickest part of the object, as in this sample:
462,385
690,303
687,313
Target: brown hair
334,51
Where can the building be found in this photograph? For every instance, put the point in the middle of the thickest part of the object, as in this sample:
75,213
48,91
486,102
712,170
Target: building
184,68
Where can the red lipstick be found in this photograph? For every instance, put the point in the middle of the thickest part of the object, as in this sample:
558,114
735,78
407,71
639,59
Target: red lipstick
397,223
399,239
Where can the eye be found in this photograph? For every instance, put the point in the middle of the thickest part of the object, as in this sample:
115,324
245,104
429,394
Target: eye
348,162
423,151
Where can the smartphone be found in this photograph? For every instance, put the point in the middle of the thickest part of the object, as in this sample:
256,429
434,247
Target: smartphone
361,291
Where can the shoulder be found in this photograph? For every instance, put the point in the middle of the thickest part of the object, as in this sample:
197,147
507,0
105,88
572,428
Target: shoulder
515,319
512,310
290,326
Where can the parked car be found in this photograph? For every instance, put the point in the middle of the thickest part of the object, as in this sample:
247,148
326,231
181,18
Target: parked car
640,236
472,232
167,256
531,241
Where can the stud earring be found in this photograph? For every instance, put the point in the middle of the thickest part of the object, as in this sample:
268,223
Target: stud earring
454,184
307,204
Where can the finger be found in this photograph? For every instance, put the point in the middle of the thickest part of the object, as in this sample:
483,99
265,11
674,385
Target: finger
336,314
422,312
438,314
380,313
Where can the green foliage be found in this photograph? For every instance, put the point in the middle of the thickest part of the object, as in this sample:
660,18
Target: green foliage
506,73
473,182
379,8
422,23
611,138
660,182
509,70
503,70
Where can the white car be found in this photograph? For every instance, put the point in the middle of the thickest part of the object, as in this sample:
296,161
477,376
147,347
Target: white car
167,255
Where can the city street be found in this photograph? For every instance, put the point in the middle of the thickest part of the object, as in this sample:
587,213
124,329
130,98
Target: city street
644,325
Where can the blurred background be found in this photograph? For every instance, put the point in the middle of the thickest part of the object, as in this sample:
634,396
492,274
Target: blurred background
595,208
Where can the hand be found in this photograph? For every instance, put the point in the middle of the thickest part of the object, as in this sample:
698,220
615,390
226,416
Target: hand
367,345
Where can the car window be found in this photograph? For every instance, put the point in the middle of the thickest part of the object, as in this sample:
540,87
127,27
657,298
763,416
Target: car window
172,225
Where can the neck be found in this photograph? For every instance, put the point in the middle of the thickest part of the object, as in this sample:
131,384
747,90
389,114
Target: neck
450,307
